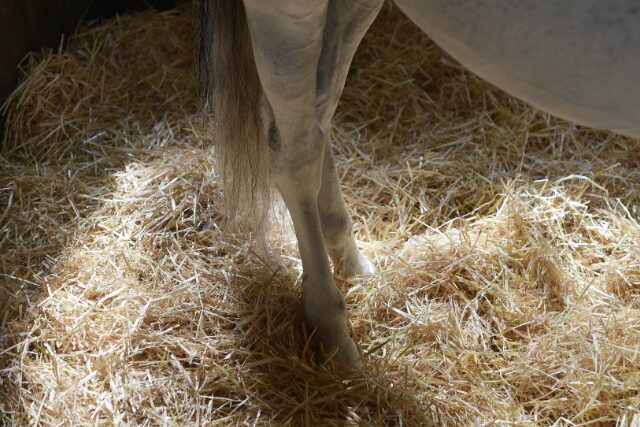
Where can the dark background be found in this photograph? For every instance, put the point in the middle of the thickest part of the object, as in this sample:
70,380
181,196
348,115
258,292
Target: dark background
29,25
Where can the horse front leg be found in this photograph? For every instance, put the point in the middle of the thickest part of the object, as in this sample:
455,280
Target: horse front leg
287,41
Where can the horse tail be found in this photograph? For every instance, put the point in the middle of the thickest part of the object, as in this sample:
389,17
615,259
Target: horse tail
229,87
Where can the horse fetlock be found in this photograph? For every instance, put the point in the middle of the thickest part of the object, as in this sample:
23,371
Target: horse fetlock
322,298
341,246
336,231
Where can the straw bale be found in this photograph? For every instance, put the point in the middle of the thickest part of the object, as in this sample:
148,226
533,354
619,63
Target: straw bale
507,243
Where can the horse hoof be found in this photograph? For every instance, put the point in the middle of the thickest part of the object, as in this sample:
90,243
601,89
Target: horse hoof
348,353
331,334
360,266
347,350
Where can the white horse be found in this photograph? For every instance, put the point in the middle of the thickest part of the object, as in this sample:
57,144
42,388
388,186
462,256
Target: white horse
273,72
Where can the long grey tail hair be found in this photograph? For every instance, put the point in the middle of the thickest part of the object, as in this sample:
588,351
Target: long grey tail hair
229,87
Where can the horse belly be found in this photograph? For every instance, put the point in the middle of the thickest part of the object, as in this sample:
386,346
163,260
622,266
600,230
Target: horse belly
579,60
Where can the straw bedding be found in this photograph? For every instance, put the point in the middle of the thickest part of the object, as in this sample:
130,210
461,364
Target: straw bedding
507,243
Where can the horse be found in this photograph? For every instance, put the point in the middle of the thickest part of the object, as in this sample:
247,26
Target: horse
272,72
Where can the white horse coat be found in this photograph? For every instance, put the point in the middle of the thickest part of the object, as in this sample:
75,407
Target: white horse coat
579,60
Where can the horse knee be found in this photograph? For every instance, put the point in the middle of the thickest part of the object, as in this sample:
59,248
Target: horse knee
336,228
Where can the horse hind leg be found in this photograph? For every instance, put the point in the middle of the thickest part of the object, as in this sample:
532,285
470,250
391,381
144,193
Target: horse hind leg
287,41
336,222
347,22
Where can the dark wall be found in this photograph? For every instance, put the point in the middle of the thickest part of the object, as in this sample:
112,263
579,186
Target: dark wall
29,25
26,25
